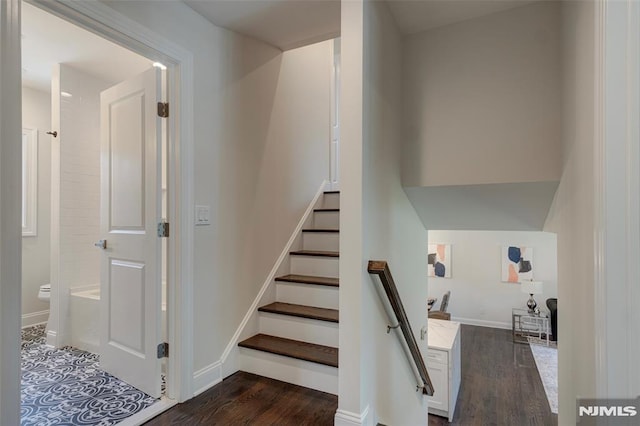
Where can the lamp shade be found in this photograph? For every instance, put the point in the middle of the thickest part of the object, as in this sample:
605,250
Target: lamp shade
531,287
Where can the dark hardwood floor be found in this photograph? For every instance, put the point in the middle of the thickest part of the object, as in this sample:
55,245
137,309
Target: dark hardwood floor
247,399
500,383
500,386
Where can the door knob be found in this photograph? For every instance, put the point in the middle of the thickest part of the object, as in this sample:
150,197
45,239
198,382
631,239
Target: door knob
101,244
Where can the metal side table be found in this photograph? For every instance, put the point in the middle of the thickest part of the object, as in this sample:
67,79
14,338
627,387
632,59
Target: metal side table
525,324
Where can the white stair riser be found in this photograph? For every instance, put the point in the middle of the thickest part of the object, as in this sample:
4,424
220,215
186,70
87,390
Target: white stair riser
290,370
308,294
326,220
315,265
321,241
331,201
303,329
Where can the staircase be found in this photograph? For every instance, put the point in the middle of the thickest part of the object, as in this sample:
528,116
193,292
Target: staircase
298,333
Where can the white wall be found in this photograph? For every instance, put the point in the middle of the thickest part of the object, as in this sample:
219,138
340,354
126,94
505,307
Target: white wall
482,100
389,229
352,405
478,295
36,114
261,147
572,214
75,262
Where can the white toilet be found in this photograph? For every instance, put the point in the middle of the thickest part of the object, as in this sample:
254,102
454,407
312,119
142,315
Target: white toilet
45,293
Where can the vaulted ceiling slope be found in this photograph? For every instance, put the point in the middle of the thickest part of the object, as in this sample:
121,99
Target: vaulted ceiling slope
286,24
520,206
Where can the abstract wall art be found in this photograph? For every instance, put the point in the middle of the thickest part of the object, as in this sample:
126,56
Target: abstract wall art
516,264
439,259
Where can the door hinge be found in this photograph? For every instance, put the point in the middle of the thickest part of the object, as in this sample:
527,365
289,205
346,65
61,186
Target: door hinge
163,229
163,109
163,350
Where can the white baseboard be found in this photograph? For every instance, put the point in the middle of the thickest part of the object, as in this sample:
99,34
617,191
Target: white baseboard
347,418
35,318
483,323
52,338
207,377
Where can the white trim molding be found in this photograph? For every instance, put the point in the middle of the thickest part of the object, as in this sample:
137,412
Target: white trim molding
106,22
207,377
347,418
149,413
227,360
29,182
10,223
617,195
483,323
35,318
600,311
52,337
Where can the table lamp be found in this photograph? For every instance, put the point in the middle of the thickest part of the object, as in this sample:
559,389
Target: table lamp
531,288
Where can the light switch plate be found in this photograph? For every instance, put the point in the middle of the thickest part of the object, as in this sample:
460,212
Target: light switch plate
203,215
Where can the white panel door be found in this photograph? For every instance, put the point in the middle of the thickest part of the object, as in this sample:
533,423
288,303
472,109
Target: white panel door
130,305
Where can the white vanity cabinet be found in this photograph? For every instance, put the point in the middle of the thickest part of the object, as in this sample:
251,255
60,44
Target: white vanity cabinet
443,365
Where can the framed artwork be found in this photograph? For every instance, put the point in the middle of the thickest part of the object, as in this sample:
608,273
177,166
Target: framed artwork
439,260
516,264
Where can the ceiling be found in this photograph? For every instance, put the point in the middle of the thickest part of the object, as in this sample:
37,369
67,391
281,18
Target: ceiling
288,24
415,16
48,40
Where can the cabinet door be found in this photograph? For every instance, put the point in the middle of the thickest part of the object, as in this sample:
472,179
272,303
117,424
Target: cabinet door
439,374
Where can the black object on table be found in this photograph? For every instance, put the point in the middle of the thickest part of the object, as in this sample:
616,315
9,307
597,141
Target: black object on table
552,304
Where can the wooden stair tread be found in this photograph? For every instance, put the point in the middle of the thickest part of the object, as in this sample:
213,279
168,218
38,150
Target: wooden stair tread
322,230
326,210
319,354
302,311
309,279
315,253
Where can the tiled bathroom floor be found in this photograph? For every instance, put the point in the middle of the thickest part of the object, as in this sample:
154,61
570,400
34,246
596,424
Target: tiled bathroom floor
66,387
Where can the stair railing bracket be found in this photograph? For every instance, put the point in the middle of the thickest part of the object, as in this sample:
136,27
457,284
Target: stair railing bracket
389,327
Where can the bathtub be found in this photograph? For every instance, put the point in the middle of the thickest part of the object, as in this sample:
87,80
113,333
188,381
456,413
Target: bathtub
85,319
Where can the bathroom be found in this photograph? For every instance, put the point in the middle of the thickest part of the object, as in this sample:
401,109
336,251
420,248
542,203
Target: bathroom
65,69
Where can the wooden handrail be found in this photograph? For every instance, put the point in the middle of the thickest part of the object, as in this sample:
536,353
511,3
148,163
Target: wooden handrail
381,268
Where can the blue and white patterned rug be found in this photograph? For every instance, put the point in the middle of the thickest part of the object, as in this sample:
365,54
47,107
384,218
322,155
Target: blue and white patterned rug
547,362
66,387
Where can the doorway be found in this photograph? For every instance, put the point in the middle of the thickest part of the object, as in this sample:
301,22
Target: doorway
177,390
72,376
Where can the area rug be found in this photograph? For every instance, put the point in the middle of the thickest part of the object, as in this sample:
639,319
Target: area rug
546,358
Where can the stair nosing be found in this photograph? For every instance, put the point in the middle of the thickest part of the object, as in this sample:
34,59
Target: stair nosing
326,210
321,230
315,253
243,344
266,308
306,279
331,192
